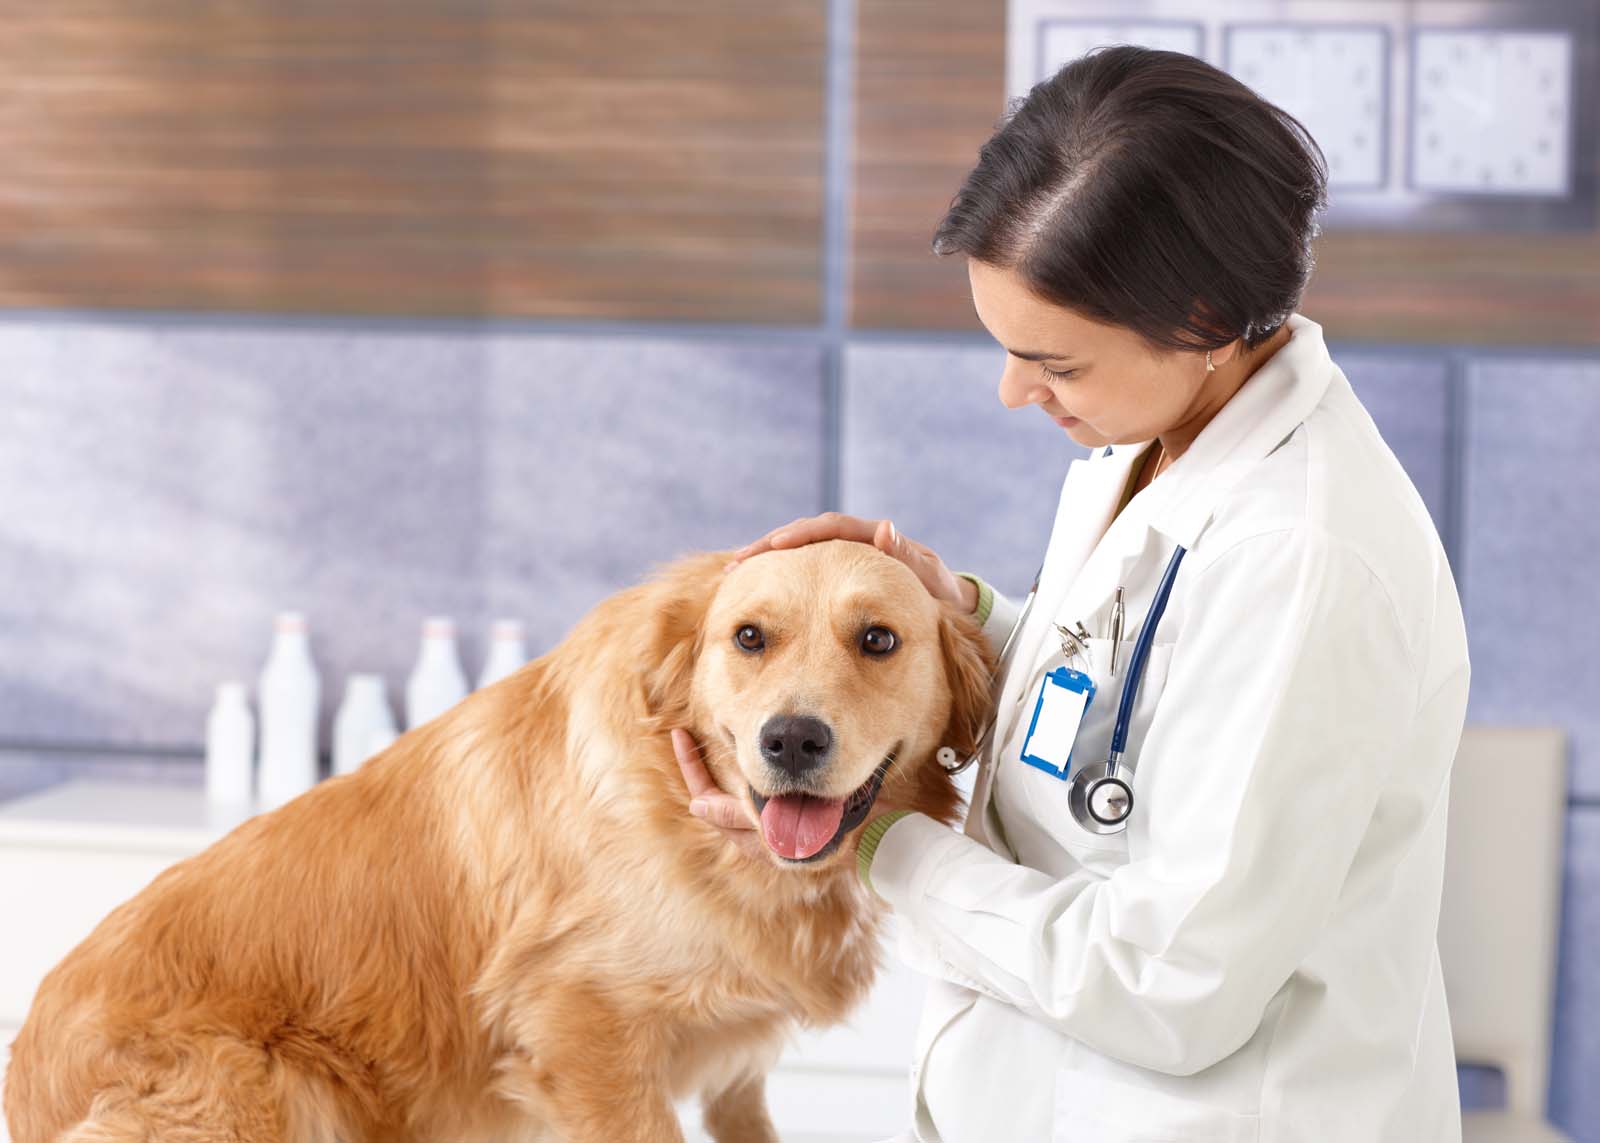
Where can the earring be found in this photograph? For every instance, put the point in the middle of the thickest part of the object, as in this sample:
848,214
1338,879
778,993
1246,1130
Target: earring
1210,368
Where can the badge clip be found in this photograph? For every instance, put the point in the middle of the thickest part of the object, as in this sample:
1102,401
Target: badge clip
1073,642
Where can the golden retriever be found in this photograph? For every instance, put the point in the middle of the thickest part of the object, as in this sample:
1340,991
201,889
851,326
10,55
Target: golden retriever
507,926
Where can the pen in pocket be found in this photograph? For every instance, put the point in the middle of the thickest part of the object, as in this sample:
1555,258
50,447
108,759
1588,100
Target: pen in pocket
1116,628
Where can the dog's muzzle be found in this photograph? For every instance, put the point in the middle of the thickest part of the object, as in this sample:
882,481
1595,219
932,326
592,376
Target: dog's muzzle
803,827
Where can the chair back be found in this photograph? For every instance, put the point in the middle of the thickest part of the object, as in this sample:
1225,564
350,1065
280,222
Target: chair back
1499,920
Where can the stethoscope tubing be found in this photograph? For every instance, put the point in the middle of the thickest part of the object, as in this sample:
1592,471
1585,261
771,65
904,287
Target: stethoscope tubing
1141,652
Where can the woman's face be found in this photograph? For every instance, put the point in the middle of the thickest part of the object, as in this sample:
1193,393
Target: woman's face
1112,387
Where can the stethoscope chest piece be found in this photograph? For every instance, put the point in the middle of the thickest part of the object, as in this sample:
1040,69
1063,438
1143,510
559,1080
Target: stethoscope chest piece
1100,800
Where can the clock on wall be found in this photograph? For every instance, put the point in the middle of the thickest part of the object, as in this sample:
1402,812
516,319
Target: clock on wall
1443,115
1491,111
1333,79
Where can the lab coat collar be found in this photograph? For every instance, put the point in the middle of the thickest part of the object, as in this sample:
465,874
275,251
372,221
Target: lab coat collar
1091,532
1268,407
1277,397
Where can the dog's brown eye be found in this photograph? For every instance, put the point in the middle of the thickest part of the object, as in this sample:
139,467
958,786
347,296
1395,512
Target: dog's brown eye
877,641
749,638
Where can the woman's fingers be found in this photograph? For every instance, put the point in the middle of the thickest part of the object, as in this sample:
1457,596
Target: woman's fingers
881,534
940,581
809,530
725,811
707,800
887,539
695,775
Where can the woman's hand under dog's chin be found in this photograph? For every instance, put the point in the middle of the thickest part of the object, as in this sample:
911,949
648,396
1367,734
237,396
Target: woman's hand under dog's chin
710,802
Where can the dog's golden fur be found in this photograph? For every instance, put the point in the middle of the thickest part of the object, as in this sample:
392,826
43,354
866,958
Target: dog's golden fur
507,926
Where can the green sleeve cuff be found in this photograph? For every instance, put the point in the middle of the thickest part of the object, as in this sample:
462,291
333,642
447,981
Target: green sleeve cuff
985,598
867,844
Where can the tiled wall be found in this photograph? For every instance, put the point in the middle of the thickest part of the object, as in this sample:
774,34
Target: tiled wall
168,489
166,486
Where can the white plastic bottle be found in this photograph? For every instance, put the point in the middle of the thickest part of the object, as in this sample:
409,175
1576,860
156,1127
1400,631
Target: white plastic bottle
289,691
230,747
437,682
508,650
363,715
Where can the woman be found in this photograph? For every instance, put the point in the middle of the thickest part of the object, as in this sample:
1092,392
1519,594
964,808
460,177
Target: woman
1251,956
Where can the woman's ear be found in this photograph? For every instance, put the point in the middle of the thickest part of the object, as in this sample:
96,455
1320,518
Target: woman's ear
676,601
969,664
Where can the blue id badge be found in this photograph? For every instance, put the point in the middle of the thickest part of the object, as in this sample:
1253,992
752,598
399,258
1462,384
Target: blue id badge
1064,694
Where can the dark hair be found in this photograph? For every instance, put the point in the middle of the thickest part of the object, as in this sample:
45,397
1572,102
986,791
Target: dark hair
1150,190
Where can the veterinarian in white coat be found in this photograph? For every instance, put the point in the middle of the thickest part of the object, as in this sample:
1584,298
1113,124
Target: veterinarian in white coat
1253,957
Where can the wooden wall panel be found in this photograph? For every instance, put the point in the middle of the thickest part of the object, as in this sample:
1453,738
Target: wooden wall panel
1504,289
931,89
638,159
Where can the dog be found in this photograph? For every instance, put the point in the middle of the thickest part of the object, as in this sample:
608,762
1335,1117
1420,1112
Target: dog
506,925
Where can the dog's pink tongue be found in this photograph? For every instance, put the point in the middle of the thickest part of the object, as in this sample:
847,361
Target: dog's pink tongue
798,825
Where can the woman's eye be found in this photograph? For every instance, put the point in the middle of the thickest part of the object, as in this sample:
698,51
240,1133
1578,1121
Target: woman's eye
1052,375
749,638
877,641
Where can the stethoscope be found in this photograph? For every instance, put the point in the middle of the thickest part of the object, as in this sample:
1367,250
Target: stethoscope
1100,796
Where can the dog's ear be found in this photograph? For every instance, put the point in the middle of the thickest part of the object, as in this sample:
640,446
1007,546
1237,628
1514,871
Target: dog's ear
969,664
677,600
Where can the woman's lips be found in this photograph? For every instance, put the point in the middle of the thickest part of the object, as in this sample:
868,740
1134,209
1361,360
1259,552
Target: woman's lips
1065,422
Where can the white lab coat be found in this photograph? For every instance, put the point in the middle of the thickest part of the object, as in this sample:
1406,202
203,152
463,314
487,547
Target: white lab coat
1254,958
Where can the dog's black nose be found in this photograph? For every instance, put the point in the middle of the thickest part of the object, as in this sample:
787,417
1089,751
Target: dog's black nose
796,743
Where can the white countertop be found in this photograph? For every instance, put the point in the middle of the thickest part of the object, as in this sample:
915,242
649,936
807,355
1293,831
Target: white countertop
141,817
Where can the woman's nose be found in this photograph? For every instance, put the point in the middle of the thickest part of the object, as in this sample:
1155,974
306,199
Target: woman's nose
1017,388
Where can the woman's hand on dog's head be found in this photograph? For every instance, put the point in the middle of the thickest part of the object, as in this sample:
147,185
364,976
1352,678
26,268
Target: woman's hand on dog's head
707,800
941,582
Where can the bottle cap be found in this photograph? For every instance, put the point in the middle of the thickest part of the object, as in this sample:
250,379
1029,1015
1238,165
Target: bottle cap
230,690
438,627
291,621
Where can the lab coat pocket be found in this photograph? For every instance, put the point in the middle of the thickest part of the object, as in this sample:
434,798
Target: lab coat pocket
1094,1109
1047,795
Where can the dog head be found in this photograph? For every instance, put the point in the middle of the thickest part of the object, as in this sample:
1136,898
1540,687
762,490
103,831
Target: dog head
820,681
